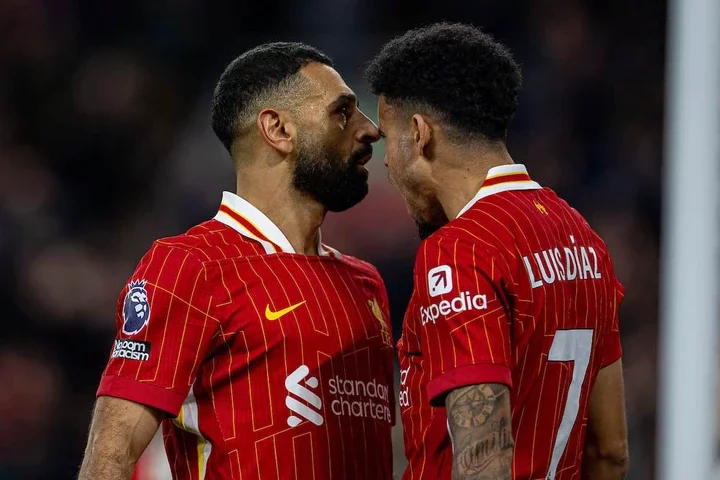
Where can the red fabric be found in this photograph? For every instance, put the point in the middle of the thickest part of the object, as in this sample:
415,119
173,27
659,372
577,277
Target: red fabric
513,177
164,399
467,375
496,250
212,347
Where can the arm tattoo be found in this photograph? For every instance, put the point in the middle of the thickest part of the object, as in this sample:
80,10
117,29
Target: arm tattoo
481,432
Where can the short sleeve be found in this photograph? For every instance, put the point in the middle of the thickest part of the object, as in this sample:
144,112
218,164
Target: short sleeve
462,316
611,348
164,331
387,334
384,304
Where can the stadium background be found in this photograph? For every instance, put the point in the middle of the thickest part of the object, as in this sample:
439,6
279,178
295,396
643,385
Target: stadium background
105,145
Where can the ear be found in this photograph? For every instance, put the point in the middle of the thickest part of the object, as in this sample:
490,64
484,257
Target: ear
277,130
422,133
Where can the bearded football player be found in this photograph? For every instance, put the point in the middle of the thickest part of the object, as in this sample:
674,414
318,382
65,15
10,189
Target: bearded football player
510,354
262,352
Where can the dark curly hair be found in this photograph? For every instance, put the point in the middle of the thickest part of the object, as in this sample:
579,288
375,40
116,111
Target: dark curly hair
254,77
455,71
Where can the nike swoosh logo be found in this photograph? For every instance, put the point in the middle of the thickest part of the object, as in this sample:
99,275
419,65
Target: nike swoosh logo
270,315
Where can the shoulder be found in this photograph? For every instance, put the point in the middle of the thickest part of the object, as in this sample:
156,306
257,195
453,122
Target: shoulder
169,268
362,267
454,242
211,241
364,271
170,260
189,250
452,252
191,245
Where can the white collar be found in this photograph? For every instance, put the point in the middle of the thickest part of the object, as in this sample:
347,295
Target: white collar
503,178
240,215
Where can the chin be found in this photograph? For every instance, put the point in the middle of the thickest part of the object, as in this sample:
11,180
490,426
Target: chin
429,222
426,229
346,200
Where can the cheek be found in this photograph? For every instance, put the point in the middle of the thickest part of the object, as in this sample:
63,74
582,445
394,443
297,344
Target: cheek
338,140
396,162
400,178
414,187
417,206
411,187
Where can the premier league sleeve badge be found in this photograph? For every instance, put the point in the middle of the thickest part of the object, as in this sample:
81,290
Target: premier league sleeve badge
136,308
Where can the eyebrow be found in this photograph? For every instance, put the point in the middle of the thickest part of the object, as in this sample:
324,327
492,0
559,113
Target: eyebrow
343,100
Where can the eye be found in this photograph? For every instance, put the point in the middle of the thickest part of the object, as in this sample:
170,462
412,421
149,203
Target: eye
344,115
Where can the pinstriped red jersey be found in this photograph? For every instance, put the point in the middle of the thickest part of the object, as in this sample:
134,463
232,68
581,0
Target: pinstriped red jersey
517,290
269,364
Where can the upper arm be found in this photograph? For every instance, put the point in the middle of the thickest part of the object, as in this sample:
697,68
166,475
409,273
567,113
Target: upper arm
380,307
611,349
607,427
164,331
462,316
480,429
123,425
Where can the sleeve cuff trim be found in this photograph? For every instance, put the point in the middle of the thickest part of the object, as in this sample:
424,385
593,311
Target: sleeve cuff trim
464,376
169,401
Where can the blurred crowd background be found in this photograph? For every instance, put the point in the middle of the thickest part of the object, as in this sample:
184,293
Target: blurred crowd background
105,145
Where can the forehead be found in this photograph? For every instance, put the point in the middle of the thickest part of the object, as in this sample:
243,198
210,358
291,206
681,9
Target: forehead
326,81
386,112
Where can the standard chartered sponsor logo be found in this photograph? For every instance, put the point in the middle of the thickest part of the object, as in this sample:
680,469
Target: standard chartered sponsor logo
292,384
349,398
463,302
355,398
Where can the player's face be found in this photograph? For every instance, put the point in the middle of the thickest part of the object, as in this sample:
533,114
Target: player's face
409,171
334,142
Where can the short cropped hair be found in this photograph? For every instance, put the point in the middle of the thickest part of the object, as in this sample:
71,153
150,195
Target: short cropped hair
253,81
455,71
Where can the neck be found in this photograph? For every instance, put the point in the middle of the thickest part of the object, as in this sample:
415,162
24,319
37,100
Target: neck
271,191
458,181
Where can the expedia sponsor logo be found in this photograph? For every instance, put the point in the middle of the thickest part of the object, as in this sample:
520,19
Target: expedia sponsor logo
440,280
461,303
131,350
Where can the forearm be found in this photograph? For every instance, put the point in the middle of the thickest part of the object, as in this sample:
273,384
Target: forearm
605,455
485,459
481,432
103,461
119,434
597,467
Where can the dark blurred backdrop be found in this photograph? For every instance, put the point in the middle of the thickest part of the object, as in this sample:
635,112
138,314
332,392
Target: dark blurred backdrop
105,145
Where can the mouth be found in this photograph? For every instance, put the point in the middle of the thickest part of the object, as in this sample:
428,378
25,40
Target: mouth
364,160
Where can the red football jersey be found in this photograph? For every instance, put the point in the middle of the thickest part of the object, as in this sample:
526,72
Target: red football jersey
517,290
269,364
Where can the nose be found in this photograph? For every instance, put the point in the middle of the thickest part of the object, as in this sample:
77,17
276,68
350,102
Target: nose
368,132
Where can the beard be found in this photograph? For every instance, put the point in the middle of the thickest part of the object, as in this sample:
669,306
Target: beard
424,209
426,229
323,174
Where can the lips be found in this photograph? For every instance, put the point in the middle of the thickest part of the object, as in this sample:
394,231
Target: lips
364,160
362,156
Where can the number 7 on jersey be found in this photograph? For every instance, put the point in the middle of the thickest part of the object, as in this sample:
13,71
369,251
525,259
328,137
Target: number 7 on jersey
569,346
